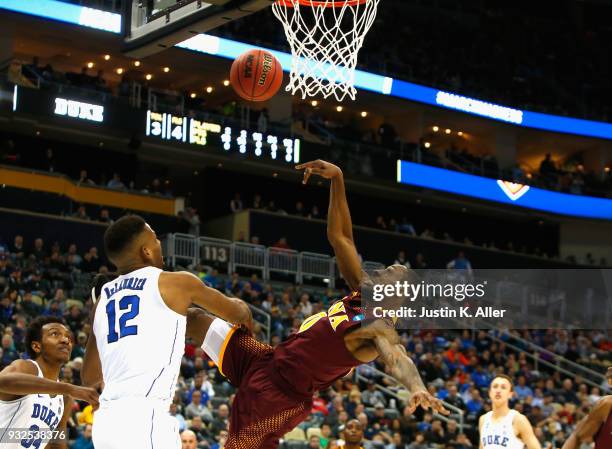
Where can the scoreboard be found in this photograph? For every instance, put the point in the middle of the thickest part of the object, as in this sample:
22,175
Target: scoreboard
248,143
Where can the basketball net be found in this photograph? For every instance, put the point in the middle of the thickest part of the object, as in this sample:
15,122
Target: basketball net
325,38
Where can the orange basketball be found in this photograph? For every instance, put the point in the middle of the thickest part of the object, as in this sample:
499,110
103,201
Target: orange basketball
256,75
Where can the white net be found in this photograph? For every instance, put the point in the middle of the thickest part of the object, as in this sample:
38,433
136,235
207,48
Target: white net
325,38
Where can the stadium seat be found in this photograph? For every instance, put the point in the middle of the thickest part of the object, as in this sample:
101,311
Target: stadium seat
296,434
313,431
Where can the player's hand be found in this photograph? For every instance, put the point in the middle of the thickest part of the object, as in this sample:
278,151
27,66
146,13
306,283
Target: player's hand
87,394
426,401
324,169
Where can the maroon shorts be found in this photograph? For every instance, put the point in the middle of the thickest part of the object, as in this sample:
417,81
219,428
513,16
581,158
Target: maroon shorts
264,408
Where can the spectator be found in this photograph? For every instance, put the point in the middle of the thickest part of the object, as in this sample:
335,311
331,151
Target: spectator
314,442
91,262
522,390
84,440
221,422
189,439
281,244
236,204
460,263
39,252
84,179
221,440
198,428
212,279
105,216
401,259
257,202
116,183
174,411
81,213
372,396
406,227
196,408
419,442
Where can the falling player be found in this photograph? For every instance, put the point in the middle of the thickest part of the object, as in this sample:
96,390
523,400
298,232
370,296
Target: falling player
138,337
275,386
503,428
596,426
33,402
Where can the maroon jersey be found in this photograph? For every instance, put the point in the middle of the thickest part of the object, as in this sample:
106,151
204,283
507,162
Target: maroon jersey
316,356
603,439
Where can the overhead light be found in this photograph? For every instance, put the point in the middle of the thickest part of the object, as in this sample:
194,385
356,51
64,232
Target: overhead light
137,63
447,131
90,65
209,89
166,69
119,71
460,133
107,57
193,95
427,145
436,129
364,114
226,83
529,176
607,169
148,77
314,103
339,108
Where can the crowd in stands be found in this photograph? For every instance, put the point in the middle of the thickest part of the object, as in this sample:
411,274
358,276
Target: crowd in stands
396,225
456,366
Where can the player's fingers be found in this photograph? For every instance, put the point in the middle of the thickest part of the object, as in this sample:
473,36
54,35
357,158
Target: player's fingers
307,173
305,165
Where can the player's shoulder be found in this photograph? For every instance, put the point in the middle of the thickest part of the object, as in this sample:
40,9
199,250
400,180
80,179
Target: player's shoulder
21,366
519,419
177,278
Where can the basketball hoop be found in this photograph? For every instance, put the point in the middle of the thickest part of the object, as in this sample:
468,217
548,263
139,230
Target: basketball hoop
325,37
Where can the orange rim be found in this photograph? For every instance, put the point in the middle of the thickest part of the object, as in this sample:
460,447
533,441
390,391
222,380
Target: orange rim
315,3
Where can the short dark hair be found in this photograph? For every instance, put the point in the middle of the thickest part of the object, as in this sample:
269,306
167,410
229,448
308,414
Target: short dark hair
121,233
34,332
504,376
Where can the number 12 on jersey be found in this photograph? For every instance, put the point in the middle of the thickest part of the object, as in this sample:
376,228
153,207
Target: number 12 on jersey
131,307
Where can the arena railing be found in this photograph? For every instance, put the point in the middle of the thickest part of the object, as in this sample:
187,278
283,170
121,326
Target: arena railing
456,413
187,250
559,363
284,261
318,266
248,255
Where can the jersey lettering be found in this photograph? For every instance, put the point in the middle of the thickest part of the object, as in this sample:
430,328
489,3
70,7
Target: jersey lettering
334,318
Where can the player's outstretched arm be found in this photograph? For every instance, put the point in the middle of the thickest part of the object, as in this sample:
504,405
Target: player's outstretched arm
20,378
590,425
405,371
339,224
525,433
480,424
182,289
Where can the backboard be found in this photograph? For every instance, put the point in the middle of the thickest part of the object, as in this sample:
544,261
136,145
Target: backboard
150,26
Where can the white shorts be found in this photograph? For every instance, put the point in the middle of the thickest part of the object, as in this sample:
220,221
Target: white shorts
135,423
216,340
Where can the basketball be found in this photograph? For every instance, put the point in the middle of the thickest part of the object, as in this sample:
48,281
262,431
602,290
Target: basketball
256,75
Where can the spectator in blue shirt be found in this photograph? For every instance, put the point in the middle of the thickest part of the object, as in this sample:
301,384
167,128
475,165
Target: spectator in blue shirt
255,284
212,279
480,378
84,440
522,390
6,310
460,262
475,404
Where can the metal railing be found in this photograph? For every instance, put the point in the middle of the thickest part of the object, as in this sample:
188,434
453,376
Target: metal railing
455,411
558,363
189,251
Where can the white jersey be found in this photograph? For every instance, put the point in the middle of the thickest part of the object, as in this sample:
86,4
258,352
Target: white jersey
500,434
31,412
140,339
